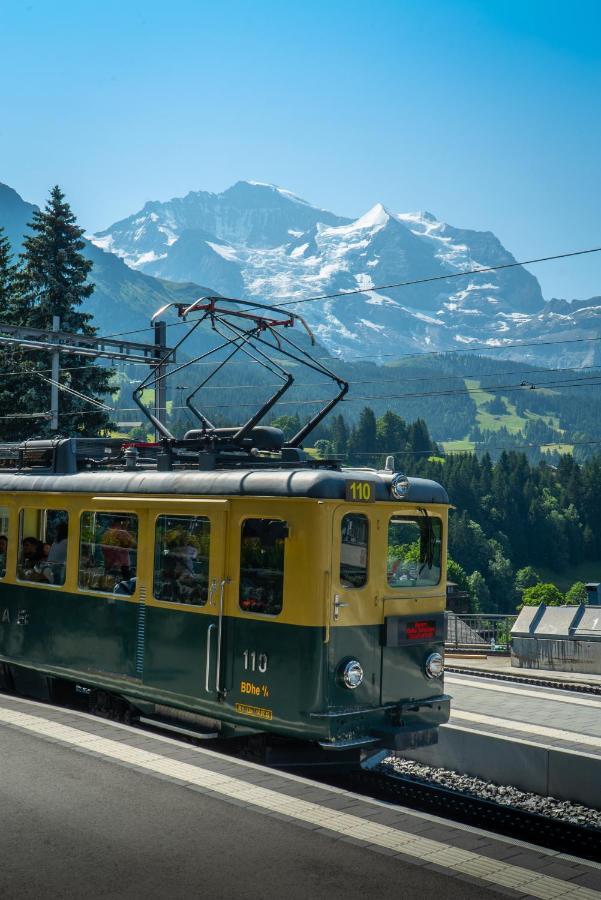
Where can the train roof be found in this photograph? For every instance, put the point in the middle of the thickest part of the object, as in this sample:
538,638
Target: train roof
73,465
302,482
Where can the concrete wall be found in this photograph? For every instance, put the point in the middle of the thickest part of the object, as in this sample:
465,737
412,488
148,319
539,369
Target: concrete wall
563,638
559,654
564,774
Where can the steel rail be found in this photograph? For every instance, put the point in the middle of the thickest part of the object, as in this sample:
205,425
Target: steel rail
511,821
574,686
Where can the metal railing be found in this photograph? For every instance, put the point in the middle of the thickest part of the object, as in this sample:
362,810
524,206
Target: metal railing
478,631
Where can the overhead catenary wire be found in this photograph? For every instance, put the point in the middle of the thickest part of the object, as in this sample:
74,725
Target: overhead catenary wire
438,377
74,393
399,284
40,415
433,377
481,348
478,445
531,369
483,389
431,278
573,384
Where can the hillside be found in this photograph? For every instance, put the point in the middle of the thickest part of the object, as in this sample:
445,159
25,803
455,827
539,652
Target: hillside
454,395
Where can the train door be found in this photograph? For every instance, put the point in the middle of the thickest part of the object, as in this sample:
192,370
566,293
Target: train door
413,608
255,655
110,577
354,607
10,635
184,618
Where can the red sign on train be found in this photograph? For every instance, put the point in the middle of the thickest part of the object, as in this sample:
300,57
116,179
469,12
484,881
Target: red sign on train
420,631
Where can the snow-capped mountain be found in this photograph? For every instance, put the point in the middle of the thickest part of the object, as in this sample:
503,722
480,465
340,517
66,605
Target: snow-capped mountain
262,242
248,213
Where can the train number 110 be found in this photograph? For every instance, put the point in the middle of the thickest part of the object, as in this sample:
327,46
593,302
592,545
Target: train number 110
360,491
255,662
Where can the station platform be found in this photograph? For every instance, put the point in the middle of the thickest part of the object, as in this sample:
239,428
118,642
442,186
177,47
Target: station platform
537,738
99,809
567,720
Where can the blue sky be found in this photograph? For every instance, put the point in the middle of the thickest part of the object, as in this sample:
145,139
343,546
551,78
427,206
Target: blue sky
487,114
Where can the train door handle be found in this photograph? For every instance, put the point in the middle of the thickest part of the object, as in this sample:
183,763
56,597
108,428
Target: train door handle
338,604
222,585
212,590
210,631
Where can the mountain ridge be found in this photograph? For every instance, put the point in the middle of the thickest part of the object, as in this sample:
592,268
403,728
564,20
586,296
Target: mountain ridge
340,254
262,242
123,299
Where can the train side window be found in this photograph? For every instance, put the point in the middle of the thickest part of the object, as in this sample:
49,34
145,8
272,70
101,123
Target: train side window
108,552
262,553
354,550
43,540
3,539
181,559
414,551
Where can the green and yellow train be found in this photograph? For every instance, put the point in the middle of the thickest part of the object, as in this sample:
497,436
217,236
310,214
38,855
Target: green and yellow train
227,584
288,597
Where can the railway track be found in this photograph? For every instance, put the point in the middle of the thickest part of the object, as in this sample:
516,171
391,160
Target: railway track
594,689
554,834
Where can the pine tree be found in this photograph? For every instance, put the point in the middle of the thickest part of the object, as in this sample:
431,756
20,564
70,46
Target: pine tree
419,438
12,360
392,433
363,443
53,281
54,273
8,276
339,433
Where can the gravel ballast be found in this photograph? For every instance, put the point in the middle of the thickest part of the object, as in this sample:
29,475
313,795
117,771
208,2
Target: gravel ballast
505,795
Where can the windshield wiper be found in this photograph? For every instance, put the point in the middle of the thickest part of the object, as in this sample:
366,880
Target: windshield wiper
429,541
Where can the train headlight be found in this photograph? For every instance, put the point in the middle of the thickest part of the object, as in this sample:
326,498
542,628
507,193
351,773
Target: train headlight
352,674
434,665
399,486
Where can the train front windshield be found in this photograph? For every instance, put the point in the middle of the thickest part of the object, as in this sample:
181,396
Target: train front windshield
414,551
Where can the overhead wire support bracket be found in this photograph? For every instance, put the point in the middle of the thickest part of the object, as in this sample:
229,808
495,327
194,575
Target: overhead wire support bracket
78,344
90,346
